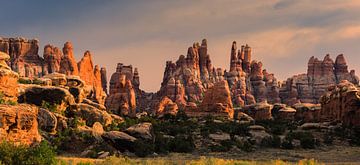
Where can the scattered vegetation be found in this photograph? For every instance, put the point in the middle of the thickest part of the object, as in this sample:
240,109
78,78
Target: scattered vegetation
7,102
49,106
41,154
200,161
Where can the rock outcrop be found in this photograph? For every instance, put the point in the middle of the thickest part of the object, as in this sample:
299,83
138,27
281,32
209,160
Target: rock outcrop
308,88
8,80
248,81
19,124
92,77
68,64
186,80
52,59
104,79
25,59
216,102
341,103
122,98
166,106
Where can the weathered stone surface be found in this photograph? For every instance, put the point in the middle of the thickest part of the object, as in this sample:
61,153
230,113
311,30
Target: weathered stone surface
259,111
218,100
286,113
57,79
308,88
122,98
60,98
19,124
142,131
8,80
25,59
47,120
68,65
120,140
166,106
104,79
52,58
341,104
91,114
307,112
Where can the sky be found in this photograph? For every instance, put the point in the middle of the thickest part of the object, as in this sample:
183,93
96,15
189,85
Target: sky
283,34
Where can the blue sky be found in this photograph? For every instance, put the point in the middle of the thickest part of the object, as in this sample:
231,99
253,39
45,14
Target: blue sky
284,34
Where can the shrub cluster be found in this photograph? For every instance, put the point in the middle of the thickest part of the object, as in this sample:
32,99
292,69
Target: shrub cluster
41,154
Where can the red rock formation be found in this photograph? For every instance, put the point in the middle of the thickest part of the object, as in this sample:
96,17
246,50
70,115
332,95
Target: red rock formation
104,79
52,59
121,99
19,124
341,104
248,81
92,77
308,88
217,100
68,64
166,106
86,69
24,56
8,80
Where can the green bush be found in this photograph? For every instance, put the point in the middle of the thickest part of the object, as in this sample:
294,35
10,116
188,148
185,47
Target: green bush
246,145
182,144
49,106
41,154
307,140
273,141
143,149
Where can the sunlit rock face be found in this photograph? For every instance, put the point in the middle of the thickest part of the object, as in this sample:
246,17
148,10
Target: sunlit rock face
24,57
341,103
308,88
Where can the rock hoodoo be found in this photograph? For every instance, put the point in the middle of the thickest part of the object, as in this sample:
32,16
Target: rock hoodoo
308,88
122,98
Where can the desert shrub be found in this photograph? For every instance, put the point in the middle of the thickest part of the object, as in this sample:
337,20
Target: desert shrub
328,138
272,141
218,148
7,102
51,107
162,144
224,146
245,145
182,144
277,127
24,81
307,140
143,149
41,154
355,137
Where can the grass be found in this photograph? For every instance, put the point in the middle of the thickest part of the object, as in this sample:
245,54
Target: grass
176,161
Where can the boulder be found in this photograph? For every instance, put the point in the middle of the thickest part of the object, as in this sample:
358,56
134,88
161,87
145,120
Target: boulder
259,111
56,97
141,131
57,79
91,114
120,140
19,124
47,120
166,106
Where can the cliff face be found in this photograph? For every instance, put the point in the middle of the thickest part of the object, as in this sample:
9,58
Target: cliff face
24,60
308,88
24,56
